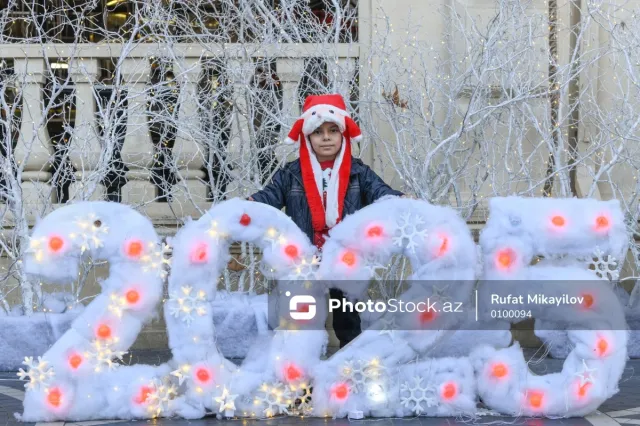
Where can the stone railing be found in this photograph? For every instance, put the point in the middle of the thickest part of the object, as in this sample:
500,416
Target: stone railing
35,150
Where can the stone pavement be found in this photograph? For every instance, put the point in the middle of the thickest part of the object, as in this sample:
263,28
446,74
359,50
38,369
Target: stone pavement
623,408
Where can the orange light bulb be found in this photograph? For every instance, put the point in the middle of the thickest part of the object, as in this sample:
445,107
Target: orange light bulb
291,251
203,375
374,232
104,331
293,373
134,248
74,361
349,258
602,223
132,297
56,244
602,347
341,391
449,391
535,399
54,397
499,370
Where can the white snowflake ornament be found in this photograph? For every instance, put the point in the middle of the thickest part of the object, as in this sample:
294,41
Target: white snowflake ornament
305,269
604,266
414,395
409,231
302,396
89,232
38,372
158,260
185,305
160,397
103,354
359,374
275,399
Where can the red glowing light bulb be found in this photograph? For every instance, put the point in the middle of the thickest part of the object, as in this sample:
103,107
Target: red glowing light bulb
144,393
200,253
203,375
54,397
132,297
103,331
349,258
449,391
291,251
558,221
535,399
292,372
134,248
74,361
341,391
587,301
374,232
602,223
499,370
444,246
245,220
505,258
582,390
602,346
427,316
56,243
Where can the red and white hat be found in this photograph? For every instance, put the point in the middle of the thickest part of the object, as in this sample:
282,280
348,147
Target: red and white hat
316,111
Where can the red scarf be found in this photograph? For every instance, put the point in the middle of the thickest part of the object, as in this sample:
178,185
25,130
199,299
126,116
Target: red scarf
314,199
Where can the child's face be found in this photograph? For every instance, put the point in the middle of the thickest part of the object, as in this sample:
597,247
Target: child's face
326,141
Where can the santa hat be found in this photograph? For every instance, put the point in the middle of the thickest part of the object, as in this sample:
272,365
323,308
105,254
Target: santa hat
317,110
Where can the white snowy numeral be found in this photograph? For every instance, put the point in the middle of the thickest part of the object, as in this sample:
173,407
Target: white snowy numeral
78,377
367,374
565,232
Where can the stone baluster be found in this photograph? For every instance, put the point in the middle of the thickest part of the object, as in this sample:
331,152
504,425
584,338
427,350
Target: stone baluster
290,72
188,150
240,73
138,149
33,152
85,147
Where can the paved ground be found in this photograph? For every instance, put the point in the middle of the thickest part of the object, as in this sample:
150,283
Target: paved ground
623,408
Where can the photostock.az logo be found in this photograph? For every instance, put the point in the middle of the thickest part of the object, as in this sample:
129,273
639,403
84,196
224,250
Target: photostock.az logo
302,307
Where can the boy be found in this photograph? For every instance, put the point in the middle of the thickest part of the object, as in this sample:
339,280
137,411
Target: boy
326,183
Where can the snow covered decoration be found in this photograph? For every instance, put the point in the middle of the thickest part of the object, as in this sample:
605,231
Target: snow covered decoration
391,369
367,374
82,379
200,254
561,295
39,372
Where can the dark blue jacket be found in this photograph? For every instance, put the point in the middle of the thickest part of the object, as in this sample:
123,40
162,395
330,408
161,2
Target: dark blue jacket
287,190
